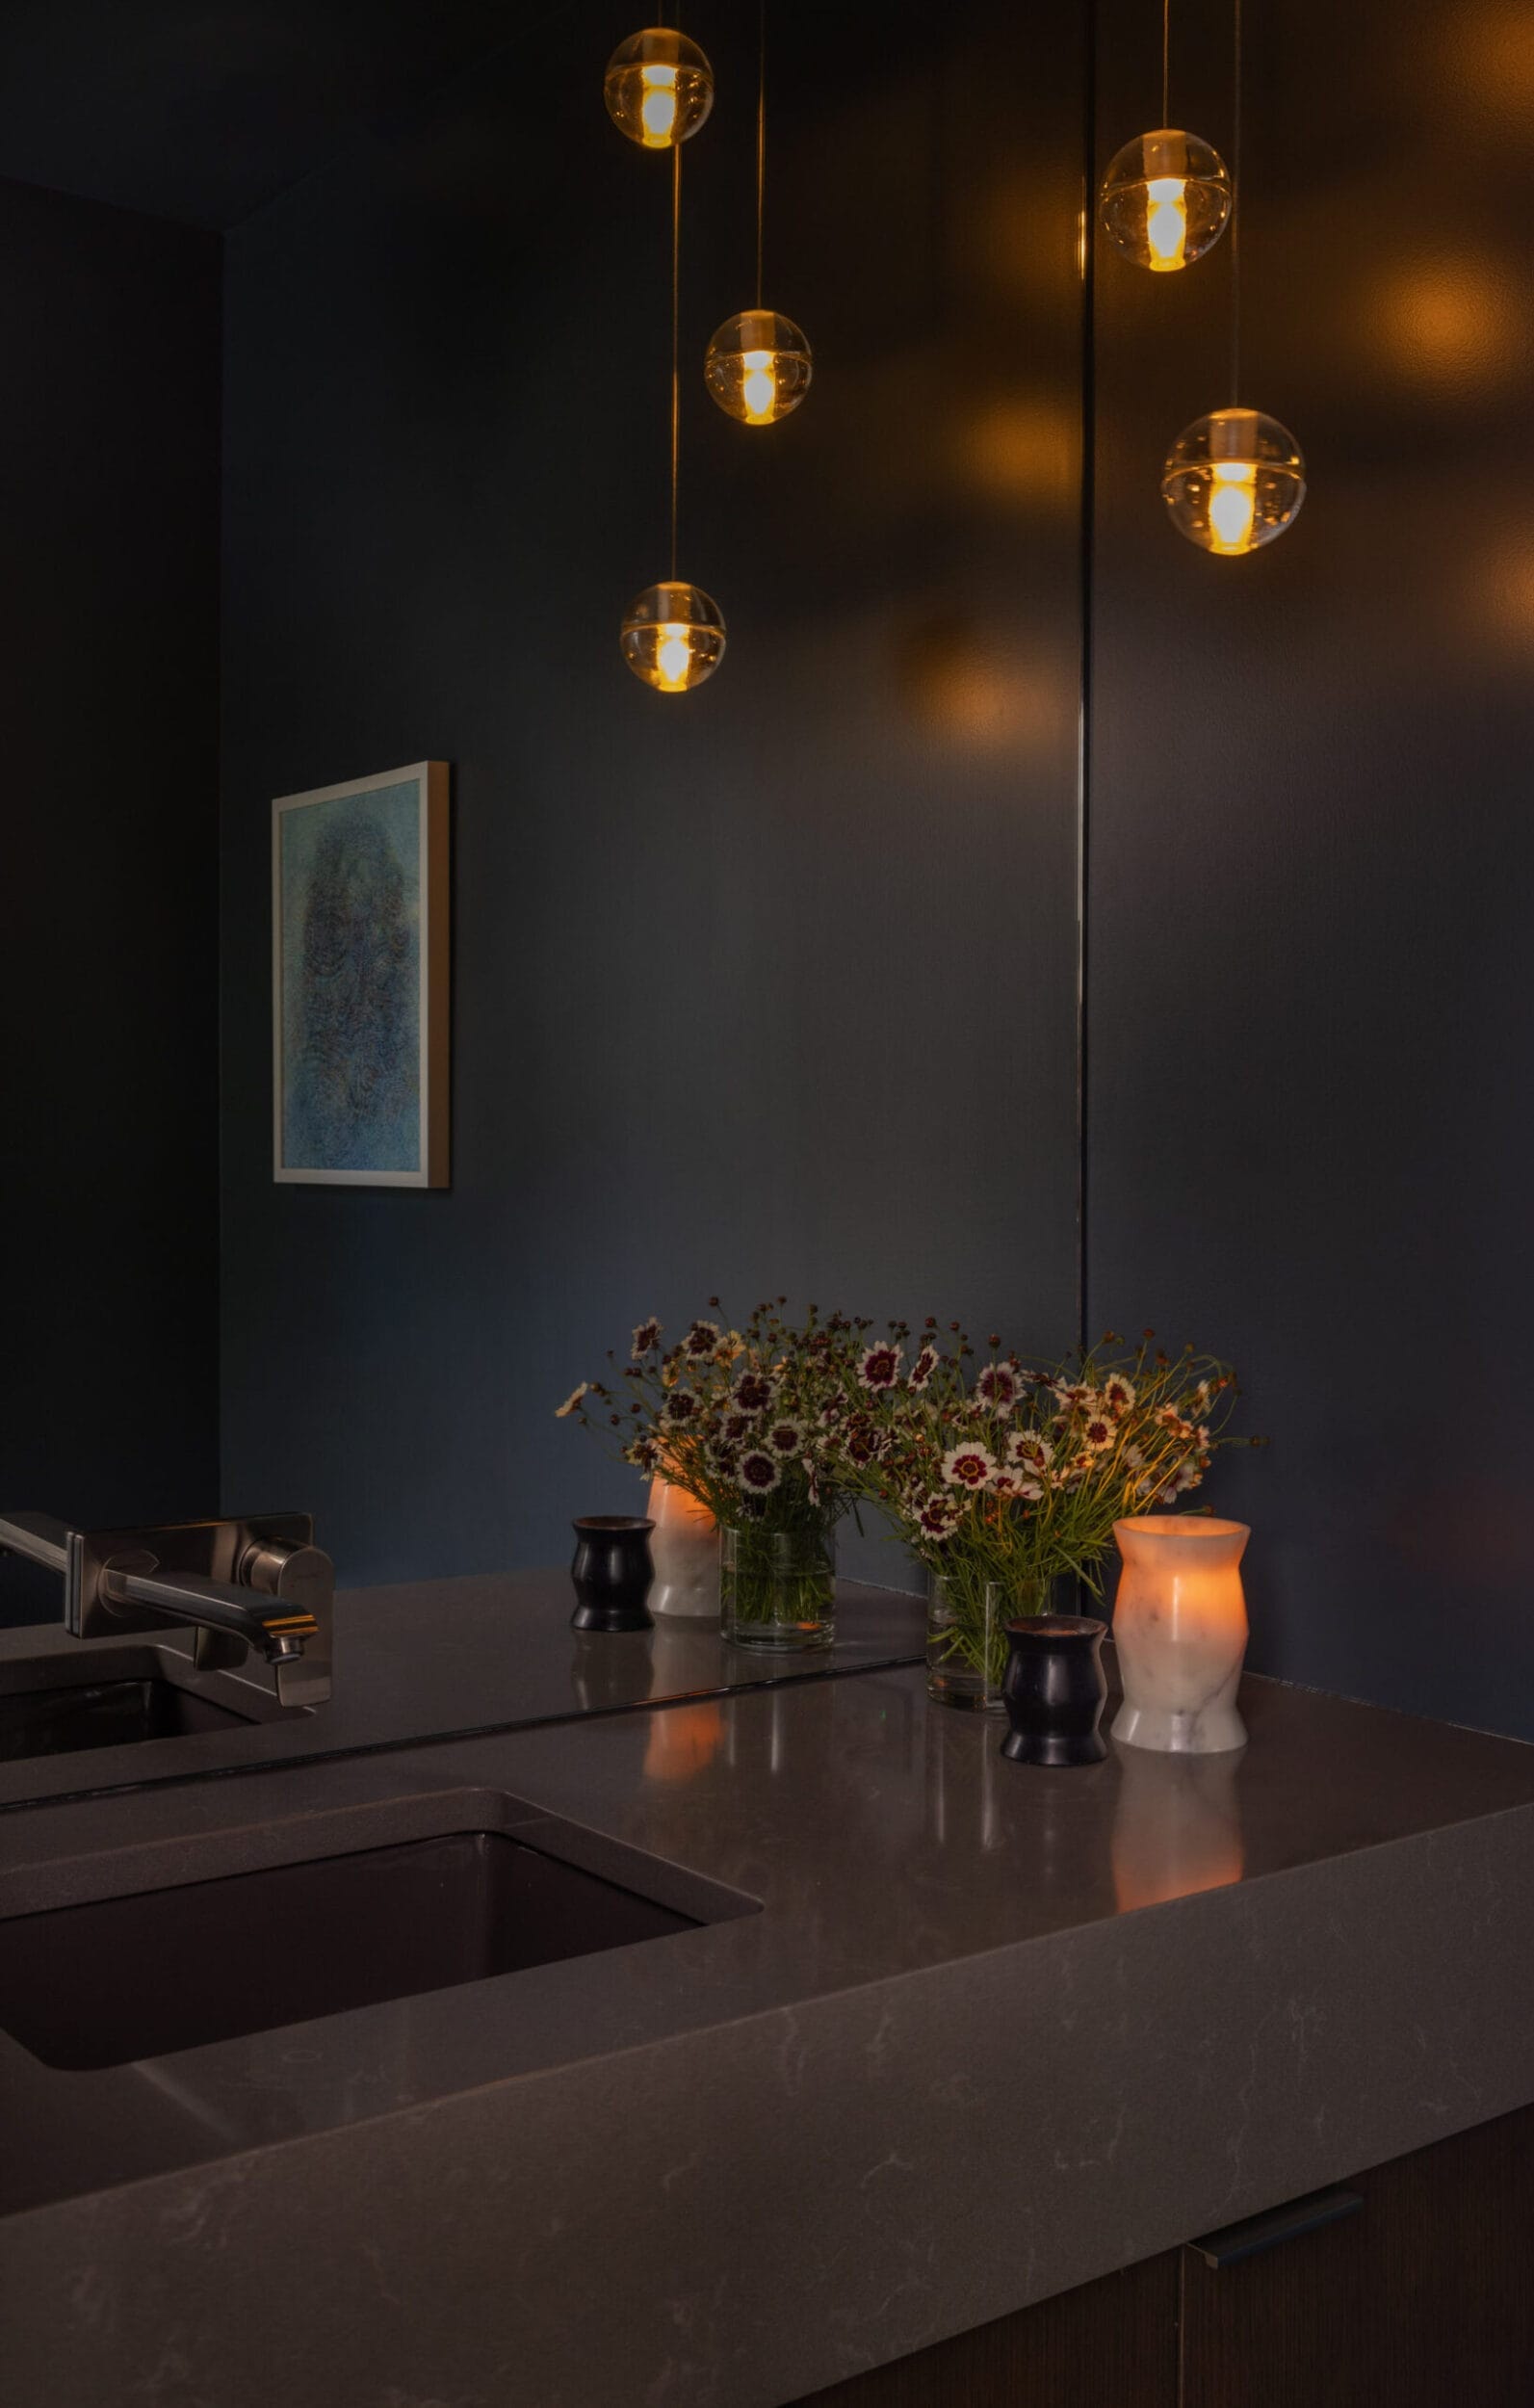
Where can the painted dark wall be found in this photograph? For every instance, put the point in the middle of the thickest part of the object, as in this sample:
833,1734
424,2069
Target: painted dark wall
109,436
772,988
1312,852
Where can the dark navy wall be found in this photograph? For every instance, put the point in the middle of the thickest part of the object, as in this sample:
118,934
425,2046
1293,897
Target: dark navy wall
772,988
1310,1017
109,455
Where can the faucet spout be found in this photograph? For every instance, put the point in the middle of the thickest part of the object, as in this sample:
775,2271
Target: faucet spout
273,1629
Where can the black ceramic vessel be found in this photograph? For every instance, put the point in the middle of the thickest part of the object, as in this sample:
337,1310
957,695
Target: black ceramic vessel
1054,1689
612,1571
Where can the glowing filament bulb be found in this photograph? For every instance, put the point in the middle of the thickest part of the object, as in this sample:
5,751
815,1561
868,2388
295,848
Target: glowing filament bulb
658,108
1232,505
759,388
1166,221
673,658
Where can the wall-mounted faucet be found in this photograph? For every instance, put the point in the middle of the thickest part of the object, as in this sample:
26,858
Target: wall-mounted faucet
259,1582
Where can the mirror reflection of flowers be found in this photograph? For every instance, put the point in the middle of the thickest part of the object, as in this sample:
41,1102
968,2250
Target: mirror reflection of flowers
748,1421
998,1475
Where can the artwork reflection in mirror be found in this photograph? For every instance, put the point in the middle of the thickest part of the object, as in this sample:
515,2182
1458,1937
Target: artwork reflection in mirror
359,972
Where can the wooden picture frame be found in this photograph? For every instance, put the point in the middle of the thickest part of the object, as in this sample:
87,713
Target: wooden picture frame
360,982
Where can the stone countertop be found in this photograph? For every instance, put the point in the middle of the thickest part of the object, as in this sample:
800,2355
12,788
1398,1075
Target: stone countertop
428,1659
990,2032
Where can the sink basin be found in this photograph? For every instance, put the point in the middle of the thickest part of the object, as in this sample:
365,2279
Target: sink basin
110,1698
120,1979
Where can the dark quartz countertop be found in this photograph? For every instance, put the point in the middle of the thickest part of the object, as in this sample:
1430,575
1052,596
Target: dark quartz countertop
427,1660
983,2033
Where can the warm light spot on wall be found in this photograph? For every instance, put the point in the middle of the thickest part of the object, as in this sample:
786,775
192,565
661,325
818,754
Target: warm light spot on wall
1487,55
1019,449
968,685
1451,319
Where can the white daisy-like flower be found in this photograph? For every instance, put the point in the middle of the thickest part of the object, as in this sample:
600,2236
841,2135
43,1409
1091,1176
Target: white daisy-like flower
1134,1457
647,1338
1021,1486
702,1338
938,1517
681,1405
1099,1432
969,1466
921,1370
1030,1451
880,1368
562,1412
758,1472
1118,1394
1072,1393
784,1438
754,1392
997,1387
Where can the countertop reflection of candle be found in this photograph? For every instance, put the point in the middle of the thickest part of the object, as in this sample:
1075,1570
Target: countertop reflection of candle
1180,1628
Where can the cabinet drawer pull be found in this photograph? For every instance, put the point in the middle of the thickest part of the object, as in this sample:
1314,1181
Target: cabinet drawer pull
1235,2242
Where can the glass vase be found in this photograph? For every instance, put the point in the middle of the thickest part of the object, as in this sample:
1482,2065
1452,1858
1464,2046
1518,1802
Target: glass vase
966,1635
777,1588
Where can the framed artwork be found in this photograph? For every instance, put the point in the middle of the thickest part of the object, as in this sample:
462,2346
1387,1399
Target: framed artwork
360,982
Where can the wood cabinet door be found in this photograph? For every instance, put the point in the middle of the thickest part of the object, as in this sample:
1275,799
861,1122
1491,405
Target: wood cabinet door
1422,2298
1110,2342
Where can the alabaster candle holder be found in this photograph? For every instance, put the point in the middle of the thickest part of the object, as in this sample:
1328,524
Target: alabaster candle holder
1179,1629
684,1549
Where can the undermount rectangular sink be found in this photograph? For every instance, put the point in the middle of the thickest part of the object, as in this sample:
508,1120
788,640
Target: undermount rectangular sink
116,1697
117,1979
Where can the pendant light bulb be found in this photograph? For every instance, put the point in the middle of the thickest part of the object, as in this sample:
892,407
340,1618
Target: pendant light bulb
1233,480
1165,200
659,87
758,367
673,636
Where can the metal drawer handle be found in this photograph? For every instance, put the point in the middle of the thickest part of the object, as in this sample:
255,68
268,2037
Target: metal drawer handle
1310,2214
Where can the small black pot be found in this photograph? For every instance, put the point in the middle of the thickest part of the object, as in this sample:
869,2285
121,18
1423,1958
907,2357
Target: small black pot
1054,1689
612,1571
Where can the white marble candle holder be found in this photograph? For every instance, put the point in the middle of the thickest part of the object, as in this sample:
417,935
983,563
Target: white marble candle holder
1179,1631
684,1549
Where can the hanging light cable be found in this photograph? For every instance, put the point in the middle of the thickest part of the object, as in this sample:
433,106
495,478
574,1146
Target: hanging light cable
1166,198
758,364
1235,479
673,633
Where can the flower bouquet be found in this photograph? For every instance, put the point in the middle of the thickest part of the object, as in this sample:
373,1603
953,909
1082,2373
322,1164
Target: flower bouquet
1001,1478
746,1420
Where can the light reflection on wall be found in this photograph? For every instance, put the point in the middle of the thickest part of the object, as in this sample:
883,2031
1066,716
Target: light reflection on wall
1018,449
967,681
1453,319
1488,58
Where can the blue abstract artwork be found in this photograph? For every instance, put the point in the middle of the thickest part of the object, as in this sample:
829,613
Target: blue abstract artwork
348,895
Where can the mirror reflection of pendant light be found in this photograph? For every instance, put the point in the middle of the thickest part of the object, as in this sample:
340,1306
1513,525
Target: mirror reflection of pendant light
673,633
659,87
758,364
1235,479
1166,198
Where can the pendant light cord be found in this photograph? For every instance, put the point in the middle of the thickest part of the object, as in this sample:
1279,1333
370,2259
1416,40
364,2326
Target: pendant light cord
1239,194
676,335
761,142
1166,59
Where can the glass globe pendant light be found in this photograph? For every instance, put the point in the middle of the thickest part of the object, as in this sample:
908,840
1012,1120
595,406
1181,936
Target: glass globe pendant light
1236,479
1166,198
1233,480
659,87
673,633
758,365
673,636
